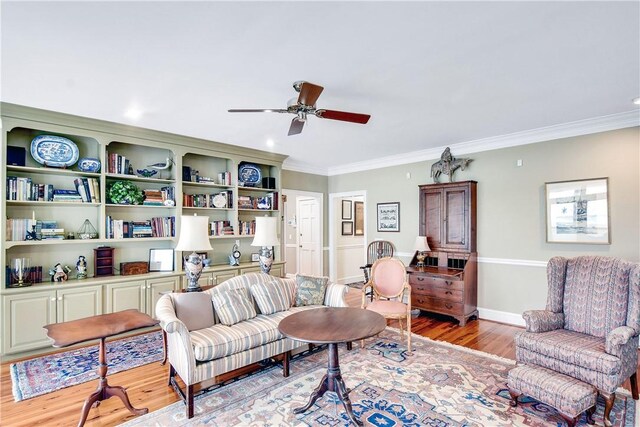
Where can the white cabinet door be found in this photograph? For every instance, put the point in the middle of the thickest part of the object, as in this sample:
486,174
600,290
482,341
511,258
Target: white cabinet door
125,296
23,317
78,303
155,289
205,279
221,276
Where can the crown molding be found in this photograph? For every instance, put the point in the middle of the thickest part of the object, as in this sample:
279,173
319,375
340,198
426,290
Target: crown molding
548,133
296,166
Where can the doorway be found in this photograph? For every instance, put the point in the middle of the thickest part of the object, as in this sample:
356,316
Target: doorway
303,232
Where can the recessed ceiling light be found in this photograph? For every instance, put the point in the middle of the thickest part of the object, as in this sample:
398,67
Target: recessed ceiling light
637,101
133,113
270,143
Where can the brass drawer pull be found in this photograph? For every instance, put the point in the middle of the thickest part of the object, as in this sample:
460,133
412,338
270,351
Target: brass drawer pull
448,292
421,279
449,306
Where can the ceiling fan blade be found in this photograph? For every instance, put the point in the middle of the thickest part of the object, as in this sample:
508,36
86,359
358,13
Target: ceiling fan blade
344,116
296,126
309,94
259,110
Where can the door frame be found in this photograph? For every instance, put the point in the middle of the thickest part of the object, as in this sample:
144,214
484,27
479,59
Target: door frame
292,197
335,228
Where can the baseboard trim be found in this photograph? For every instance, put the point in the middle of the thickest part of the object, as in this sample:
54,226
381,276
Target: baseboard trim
501,316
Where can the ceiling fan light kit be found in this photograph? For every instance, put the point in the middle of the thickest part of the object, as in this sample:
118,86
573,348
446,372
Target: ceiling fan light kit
304,105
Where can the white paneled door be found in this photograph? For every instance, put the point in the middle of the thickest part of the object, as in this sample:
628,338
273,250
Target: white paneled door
309,247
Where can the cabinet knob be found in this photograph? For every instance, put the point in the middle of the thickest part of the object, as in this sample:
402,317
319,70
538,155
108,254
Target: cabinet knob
148,286
59,298
420,279
449,306
448,292
448,283
53,298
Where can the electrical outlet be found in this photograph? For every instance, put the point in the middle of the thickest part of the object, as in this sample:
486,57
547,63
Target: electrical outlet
519,162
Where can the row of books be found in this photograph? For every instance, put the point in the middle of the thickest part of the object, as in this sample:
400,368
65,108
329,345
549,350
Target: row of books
224,178
117,163
267,202
16,229
155,227
220,228
158,197
24,189
207,200
34,275
247,227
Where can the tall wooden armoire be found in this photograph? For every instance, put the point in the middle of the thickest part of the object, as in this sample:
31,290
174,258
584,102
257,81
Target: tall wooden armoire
447,283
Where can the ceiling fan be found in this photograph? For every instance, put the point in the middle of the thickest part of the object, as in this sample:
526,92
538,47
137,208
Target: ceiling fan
304,105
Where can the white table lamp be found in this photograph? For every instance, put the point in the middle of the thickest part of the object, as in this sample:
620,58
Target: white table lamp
194,236
422,247
266,236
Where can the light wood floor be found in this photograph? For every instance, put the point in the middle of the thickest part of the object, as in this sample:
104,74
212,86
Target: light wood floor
147,385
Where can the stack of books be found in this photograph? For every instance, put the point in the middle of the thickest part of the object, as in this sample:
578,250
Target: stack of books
117,164
247,228
224,178
158,197
48,230
67,196
155,227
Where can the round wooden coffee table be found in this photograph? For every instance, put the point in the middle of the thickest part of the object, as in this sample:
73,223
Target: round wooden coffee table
332,326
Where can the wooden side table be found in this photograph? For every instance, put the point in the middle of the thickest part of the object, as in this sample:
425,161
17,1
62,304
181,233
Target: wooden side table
100,327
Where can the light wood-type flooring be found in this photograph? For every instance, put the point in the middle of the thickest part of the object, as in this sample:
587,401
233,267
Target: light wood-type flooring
147,385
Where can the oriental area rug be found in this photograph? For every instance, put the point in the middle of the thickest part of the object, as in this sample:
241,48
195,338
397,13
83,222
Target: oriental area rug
40,375
439,385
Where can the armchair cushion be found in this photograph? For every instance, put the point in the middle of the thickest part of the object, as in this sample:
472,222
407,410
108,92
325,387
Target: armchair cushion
271,297
388,308
564,351
543,320
232,307
194,309
311,290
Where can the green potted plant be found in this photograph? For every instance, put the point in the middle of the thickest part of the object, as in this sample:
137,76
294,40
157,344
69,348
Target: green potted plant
125,193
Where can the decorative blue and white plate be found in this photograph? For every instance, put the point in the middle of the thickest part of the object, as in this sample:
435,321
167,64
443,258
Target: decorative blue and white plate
54,151
88,164
250,174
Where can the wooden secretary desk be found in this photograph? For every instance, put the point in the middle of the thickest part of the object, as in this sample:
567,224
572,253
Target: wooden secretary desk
447,284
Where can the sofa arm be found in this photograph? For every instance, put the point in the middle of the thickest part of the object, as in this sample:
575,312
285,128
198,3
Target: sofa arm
334,295
617,339
543,320
179,348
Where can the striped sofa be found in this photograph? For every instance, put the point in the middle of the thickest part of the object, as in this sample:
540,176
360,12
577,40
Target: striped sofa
203,354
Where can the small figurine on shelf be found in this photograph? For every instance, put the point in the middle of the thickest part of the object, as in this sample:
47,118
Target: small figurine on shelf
81,267
59,273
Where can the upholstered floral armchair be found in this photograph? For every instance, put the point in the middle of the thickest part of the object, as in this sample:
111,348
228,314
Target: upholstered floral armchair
589,330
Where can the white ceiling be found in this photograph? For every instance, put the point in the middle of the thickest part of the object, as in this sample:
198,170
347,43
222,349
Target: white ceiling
431,74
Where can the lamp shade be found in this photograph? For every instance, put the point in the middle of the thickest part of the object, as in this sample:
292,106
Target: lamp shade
194,234
266,231
421,244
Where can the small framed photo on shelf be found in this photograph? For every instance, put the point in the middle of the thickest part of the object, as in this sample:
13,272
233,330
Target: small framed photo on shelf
255,257
389,216
346,209
160,259
578,211
347,228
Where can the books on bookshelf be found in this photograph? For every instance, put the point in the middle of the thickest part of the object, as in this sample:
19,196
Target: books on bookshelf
24,189
267,202
117,164
223,199
163,197
224,178
49,230
154,227
247,227
34,275
16,228
220,228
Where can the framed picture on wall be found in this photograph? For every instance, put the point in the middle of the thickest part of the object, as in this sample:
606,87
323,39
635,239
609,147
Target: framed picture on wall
346,209
358,221
160,259
578,211
389,216
347,228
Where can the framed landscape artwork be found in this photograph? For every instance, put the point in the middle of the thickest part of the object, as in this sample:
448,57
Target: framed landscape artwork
358,215
389,216
578,211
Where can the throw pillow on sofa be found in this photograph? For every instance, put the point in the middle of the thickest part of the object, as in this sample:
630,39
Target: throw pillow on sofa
311,290
232,306
271,297
194,309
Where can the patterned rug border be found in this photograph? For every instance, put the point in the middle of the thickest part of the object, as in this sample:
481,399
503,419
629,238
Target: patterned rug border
17,372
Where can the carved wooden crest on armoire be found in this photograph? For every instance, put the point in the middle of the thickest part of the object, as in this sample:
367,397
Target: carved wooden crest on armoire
447,282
